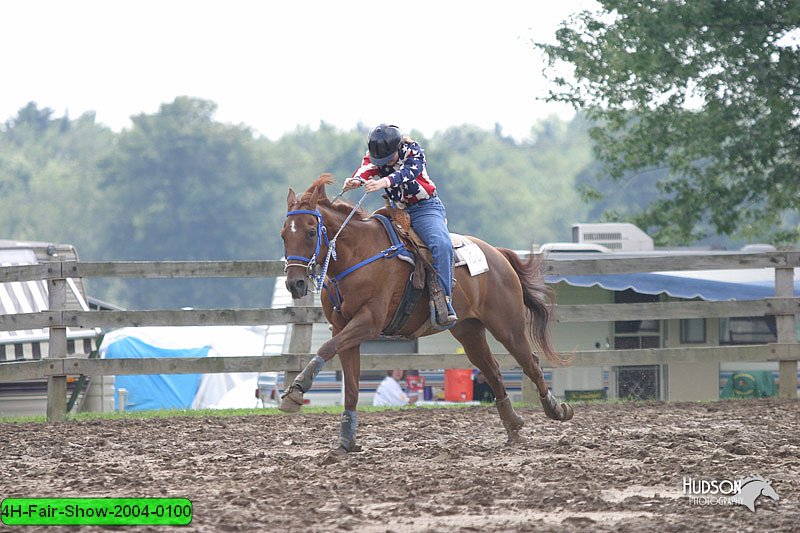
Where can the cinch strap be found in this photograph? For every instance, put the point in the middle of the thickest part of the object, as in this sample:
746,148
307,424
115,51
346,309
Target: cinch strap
388,253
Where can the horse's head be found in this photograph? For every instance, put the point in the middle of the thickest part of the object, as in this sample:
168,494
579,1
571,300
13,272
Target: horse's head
304,235
769,492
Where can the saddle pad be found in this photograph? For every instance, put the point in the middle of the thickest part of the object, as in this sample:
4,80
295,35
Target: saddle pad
470,254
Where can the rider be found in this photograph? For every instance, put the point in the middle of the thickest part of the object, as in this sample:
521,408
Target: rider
399,164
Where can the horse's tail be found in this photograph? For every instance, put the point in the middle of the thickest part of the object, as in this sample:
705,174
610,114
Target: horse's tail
539,299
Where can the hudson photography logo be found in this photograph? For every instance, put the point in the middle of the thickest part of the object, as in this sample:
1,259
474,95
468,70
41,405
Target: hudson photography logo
743,491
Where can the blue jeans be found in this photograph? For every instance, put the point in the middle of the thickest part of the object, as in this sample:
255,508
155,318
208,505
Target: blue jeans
428,218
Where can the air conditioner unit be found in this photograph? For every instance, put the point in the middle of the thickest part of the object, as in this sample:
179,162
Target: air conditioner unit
616,236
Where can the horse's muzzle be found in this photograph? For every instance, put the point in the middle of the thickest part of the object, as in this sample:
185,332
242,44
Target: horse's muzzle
298,287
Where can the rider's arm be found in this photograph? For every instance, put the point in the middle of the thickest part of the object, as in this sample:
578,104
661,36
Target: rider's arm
363,174
366,171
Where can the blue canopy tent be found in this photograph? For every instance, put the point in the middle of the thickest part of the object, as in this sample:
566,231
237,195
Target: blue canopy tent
709,285
155,391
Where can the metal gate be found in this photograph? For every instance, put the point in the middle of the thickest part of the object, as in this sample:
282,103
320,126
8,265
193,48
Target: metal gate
639,382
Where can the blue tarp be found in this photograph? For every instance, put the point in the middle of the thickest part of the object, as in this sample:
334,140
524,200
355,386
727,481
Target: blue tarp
156,391
681,285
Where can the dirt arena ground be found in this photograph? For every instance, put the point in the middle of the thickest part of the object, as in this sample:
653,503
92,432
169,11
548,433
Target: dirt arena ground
615,467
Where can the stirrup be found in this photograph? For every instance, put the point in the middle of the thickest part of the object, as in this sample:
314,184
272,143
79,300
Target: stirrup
435,319
445,320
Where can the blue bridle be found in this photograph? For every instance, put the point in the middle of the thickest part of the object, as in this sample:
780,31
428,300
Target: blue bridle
322,233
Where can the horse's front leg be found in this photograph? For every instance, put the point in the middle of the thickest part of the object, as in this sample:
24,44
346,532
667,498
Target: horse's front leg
351,368
346,336
292,399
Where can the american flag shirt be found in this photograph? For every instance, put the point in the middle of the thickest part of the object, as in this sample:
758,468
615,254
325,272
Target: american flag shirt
409,175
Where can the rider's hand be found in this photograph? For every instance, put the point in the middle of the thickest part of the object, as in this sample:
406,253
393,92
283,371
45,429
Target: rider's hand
352,183
374,185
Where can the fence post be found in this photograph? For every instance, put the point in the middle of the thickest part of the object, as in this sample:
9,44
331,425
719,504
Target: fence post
57,349
530,394
787,333
299,339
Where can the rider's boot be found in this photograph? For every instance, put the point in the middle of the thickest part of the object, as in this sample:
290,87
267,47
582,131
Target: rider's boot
451,317
443,316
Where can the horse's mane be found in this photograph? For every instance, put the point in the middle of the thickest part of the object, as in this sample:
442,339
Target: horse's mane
339,205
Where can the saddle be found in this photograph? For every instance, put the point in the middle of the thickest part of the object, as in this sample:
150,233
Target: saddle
398,225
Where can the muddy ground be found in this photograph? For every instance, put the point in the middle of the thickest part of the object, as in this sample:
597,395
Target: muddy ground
615,467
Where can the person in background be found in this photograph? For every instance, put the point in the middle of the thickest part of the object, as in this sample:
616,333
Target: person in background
389,392
396,163
481,391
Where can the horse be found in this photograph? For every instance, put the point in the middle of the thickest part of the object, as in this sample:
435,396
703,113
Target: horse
751,489
365,284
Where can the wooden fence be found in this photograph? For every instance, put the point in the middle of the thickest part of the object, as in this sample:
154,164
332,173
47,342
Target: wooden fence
784,306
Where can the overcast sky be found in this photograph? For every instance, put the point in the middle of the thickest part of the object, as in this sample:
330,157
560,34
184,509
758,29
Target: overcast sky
277,65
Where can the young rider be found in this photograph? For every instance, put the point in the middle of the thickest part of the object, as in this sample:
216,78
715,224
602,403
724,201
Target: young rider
396,163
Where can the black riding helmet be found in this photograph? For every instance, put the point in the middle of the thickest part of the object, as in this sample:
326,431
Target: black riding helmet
384,142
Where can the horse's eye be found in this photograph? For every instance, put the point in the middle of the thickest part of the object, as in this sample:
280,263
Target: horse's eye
312,233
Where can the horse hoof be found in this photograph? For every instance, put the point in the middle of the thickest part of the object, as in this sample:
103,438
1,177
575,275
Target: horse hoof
334,456
291,402
568,412
347,445
514,438
513,425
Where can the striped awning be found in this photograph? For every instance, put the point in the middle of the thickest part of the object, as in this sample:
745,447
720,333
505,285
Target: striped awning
34,350
32,297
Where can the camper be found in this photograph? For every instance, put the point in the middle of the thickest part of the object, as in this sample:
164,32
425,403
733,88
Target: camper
28,398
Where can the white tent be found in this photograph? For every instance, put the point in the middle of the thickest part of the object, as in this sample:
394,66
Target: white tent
221,341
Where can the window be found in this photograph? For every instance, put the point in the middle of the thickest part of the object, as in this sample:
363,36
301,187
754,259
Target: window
633,334
693,330
747,330
636,342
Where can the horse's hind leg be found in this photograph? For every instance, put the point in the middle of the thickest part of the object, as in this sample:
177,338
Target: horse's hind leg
472,336
512,335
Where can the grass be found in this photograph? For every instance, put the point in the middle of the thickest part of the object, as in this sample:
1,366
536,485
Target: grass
204,413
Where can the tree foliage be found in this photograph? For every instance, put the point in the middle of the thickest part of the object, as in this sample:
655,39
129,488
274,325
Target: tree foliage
49,181
507,193
185,187
179,185
707,90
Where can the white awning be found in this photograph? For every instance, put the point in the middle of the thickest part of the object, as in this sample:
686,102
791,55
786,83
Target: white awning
32,297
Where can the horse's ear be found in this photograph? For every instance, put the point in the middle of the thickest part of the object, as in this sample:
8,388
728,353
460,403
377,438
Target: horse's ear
319,192
291,199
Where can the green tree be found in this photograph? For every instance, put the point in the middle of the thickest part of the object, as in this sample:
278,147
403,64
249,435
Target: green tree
304,154
186,187
508,193
706,89
49,184
179,185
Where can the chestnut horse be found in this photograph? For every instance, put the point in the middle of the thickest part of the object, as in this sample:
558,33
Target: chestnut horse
368,296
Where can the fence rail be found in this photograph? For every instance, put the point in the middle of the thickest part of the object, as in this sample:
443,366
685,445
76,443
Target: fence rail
314,315
620,264
784,306
296,362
